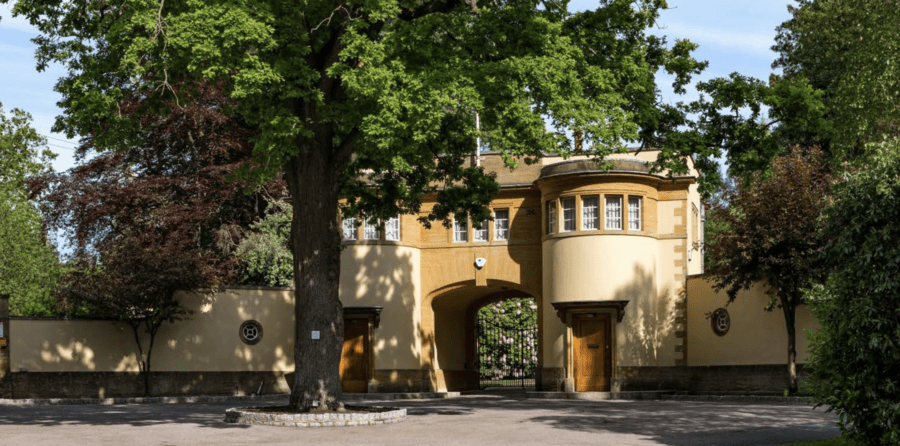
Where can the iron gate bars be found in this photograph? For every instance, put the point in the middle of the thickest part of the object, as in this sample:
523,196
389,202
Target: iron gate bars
506,354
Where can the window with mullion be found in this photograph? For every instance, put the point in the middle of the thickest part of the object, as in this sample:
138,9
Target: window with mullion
348,226
614,212
590,213
501,224
634,213
568,214
480,235
370,231
551,217
392,229
460,231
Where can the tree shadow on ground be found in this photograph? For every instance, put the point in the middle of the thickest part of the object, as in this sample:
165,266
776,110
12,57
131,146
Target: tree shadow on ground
664,422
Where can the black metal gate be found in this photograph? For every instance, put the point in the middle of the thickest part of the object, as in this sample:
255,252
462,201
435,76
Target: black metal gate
506,354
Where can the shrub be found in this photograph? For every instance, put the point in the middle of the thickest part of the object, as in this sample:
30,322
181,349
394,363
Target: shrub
855,355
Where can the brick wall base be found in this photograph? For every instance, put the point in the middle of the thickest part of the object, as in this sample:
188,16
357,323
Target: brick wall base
716,379
720,379
115,384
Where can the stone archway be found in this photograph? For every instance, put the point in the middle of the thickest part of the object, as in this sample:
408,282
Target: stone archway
448,331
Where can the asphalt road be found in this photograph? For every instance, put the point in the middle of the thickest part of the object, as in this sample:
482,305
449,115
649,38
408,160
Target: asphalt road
477,419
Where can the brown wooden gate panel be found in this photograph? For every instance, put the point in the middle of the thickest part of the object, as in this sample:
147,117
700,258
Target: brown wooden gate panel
593,353
355,357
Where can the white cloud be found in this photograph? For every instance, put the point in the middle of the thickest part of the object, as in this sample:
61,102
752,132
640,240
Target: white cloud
7,21
758,43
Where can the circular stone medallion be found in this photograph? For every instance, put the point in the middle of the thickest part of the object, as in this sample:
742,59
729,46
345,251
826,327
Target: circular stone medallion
251,332
721,322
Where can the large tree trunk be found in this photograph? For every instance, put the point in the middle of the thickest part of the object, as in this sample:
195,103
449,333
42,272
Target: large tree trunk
315,242
789,309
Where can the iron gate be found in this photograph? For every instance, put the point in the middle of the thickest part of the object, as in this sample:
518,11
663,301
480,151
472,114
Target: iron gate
506,354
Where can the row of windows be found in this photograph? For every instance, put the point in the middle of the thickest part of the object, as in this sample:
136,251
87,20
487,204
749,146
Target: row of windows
590,213
501,228
371,231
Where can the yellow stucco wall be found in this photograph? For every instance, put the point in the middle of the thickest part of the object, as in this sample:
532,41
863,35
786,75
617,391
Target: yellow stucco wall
389,276
62,346
208,341
755,337
614,267
599,267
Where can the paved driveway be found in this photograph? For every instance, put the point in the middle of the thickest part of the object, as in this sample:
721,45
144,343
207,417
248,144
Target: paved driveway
476,419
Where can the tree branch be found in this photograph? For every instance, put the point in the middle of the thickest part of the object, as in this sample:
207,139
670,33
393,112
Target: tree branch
345,151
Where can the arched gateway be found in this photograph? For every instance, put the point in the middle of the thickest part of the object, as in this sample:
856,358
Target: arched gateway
605,254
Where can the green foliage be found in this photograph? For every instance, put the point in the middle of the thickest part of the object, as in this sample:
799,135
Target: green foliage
839,90
733,122
392,82
855,354
265,255
508,340
23,152
29,267
847,49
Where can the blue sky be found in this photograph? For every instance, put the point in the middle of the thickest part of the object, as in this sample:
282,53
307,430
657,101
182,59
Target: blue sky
734,35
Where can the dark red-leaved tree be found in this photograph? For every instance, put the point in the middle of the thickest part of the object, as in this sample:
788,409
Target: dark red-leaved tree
767,230
159,217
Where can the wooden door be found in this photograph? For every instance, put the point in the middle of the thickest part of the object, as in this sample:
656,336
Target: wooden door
355,356
593,353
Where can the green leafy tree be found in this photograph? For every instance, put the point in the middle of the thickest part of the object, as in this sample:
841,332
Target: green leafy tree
29,267
772,237
264,252
848,50
838,90
855,354
375,101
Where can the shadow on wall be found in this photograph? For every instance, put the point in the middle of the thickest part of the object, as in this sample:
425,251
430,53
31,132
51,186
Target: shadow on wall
387,275
646,333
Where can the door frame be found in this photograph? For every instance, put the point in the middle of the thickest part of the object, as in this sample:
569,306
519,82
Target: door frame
568,311
606,350
372,315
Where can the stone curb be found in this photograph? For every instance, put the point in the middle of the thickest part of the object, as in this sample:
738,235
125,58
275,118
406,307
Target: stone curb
373,416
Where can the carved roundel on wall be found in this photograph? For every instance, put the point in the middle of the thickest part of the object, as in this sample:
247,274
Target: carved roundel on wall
721,322
251,332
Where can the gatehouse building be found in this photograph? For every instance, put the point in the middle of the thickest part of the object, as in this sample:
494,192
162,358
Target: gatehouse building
613,260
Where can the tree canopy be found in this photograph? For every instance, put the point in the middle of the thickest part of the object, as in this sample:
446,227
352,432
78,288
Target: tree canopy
374,101
848,50
155,218
837,90
29,266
